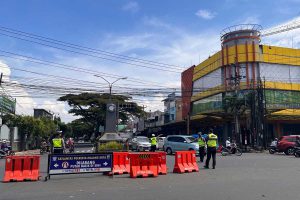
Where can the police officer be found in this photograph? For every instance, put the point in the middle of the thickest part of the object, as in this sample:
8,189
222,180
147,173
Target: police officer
202,144
153,143
211,148
58,144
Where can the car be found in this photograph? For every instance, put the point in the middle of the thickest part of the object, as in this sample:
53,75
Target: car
175,143
160,142
140,143
286,144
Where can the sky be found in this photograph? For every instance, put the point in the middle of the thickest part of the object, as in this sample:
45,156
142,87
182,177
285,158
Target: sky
178,33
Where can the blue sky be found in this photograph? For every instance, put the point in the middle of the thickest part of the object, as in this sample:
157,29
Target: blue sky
180,33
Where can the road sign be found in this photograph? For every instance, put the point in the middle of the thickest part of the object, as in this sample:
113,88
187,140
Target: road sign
79,163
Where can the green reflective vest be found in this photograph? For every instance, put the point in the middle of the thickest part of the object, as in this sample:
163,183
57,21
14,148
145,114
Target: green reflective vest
153,141
201,142
57,143
212,140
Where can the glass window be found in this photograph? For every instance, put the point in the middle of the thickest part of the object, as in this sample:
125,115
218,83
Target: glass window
171,139
180,139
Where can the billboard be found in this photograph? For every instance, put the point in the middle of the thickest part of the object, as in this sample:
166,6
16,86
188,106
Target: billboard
7,104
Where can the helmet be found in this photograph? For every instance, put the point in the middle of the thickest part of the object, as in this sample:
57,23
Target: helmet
153,135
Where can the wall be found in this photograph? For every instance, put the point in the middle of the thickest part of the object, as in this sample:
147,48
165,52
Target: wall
208,81
186,90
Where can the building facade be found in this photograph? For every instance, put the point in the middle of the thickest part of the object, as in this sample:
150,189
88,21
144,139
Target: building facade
38,113
171,104
246,83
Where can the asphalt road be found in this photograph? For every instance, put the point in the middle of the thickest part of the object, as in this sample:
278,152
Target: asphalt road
251,176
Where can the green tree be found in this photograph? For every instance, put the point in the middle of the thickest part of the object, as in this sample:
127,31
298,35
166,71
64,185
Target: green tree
91,107
31,128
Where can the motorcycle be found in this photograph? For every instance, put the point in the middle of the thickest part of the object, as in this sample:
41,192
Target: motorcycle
233,150
297,152
6,152
44,148
71,149
273,147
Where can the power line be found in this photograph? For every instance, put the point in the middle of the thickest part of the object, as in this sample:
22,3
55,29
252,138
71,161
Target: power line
90,55
72,68
76,46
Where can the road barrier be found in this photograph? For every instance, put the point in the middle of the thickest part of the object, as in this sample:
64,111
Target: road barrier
185,161
121,164
162,167
59,164
144,164
22,168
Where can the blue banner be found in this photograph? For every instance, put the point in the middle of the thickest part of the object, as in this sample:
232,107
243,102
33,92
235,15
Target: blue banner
79,163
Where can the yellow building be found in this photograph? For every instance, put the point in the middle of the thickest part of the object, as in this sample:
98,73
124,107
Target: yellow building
244,67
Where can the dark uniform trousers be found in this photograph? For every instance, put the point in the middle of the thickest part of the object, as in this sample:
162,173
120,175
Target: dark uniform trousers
201,153
211,152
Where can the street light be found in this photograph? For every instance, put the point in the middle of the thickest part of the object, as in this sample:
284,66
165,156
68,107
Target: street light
110,84
111,117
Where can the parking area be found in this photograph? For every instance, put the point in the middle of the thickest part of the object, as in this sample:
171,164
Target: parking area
250,176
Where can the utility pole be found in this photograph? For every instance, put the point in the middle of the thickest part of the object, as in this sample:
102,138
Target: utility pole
188,124
236,85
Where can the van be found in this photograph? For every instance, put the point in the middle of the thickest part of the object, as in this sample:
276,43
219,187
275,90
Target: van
175,143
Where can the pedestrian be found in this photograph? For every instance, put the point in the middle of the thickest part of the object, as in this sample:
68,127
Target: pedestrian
153,143
58,143
202,144
211,149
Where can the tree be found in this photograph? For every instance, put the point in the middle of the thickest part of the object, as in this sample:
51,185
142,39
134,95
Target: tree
31,128
91,107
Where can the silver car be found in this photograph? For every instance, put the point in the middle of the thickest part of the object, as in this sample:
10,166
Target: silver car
180,143
140,143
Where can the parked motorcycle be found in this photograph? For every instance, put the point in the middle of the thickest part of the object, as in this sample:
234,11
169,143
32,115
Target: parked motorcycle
273,146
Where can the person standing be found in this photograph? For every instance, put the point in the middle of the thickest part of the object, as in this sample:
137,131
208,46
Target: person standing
58,144
202,144
211,149
153,143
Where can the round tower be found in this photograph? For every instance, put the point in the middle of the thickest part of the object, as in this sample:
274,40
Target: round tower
241,34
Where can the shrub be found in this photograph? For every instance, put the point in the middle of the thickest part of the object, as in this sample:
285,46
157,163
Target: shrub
113,145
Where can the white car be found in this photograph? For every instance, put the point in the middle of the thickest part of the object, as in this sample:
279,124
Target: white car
140,143
160,142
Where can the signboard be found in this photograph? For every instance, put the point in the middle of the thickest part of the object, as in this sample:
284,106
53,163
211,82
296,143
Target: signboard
7,104
79,163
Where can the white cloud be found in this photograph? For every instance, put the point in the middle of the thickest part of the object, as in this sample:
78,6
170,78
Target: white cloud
251,20
131,6
205,14
26,106
289,39
25,103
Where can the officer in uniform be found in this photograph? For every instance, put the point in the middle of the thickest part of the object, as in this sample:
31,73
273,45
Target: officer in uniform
58,144
211,148
202,144
153,143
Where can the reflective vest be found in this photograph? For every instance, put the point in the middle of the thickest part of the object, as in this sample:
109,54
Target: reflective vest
57,142
212,140
153,141
201,142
